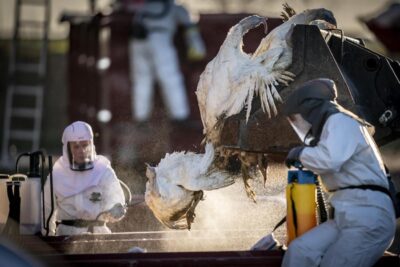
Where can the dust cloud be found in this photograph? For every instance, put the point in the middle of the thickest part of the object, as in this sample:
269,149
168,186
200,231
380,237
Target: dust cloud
228,220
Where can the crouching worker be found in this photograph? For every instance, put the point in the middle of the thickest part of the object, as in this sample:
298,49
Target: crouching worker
338,147
87,193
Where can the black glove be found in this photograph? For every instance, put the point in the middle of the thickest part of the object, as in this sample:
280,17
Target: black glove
293,156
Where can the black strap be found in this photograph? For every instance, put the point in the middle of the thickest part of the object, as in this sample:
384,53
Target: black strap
279,224
13,221
294,212
365,187
82,223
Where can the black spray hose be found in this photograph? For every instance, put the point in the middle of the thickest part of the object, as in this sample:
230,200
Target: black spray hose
43,196
42,181
18,158
42,172
51,195
321,204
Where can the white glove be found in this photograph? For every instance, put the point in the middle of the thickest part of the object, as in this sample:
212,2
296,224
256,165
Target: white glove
266,243
115,214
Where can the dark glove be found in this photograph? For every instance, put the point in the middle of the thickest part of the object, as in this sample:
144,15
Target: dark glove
293,156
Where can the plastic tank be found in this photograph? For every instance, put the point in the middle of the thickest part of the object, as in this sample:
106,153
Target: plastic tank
301,206
30,220
3,201
29,212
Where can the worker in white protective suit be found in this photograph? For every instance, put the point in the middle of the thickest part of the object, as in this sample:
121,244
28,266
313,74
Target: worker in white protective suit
154,57
87,192
339,148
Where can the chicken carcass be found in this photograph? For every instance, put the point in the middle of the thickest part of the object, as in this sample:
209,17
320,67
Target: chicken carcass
176,185
227,85
231,80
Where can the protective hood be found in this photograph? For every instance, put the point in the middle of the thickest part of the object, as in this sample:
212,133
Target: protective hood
315,101
77,132
69,179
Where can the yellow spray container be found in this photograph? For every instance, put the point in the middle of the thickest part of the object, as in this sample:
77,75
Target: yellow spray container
301,205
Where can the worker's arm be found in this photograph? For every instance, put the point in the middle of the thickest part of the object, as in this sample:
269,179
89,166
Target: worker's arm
339,140
113,206
196,49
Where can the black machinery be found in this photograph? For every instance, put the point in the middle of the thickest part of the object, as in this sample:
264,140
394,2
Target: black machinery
368,84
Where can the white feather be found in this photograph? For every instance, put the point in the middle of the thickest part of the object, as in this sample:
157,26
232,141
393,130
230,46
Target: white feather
178,176
230,81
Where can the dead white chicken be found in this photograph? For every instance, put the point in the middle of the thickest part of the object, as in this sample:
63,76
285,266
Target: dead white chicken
276,47
230,81
176,185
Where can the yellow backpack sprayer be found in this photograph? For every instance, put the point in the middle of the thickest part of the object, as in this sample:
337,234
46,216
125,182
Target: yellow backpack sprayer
306,207
305,202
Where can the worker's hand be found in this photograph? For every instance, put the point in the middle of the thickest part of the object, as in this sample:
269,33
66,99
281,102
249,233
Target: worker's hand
116,213
194,54
293,156
196,48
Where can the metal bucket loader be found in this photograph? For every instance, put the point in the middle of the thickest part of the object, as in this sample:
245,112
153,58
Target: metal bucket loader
367,82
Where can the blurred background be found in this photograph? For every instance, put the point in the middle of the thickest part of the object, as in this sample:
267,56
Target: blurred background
76,67
83,70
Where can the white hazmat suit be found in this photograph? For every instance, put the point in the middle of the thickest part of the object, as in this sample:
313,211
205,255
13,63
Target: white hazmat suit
154,57
344,155
84,200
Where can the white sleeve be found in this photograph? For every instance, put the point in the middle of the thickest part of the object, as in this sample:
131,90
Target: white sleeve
112,190
182,16
339,140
